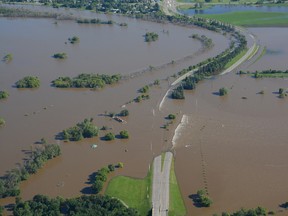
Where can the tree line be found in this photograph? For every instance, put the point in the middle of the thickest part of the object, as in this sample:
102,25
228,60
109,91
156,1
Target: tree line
86,81
94,205
9,183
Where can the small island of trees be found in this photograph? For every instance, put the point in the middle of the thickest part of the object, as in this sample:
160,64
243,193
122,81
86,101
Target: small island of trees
4,95
124,134
223,91
28,82
7,58
74,40
85,129
60,56
151,36
2,122
86,81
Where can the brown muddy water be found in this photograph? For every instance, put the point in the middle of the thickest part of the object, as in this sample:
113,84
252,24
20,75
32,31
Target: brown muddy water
44,112
234,147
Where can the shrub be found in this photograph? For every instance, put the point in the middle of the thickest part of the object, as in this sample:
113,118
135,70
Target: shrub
60,56
124,112
171,116
109,136
223,91
28,82
124,134
3,94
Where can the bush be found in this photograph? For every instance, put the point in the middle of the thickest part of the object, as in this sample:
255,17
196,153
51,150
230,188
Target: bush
223,91
2,122
74,40
144,89
60,56
109,136
178,93
171,116
28,82
124,112
124,134
3,94
203,198
151,36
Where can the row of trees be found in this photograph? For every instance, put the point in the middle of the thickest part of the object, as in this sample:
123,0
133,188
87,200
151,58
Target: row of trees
94,21
259,211
85,129
207,42
86,81
9,183
96,205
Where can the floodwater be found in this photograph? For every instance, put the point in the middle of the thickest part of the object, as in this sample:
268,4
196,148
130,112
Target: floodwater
235,148
44,112
221,9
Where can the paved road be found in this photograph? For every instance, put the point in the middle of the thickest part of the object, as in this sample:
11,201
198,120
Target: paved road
160,193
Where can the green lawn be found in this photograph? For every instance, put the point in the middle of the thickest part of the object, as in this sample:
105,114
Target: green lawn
133,192
176,204
252,18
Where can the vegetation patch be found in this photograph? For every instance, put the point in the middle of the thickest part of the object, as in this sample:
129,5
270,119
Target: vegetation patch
94,21
74,40
60,56
109,136
4,95
28,82
135,193
223,91
7,58
84,205
2,122
207,42
259,211
124,134
85,129
86,81
178,93
9,184
176,203
151,36
251,18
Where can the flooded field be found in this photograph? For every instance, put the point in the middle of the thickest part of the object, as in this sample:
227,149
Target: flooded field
235,148
44,112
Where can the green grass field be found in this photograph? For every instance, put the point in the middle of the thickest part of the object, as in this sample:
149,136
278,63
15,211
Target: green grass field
136,193
252,18
176,204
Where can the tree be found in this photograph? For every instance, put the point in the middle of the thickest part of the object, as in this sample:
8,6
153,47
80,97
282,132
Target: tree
171,116
28,82
223,91
124,112
178,93
124,134
281,90
2,122
151,36
203,198
3,94
109,136
120,165
74,40
60,56
111,167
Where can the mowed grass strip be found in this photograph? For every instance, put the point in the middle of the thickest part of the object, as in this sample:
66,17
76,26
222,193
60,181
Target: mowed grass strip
176,204
133,192
251,18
